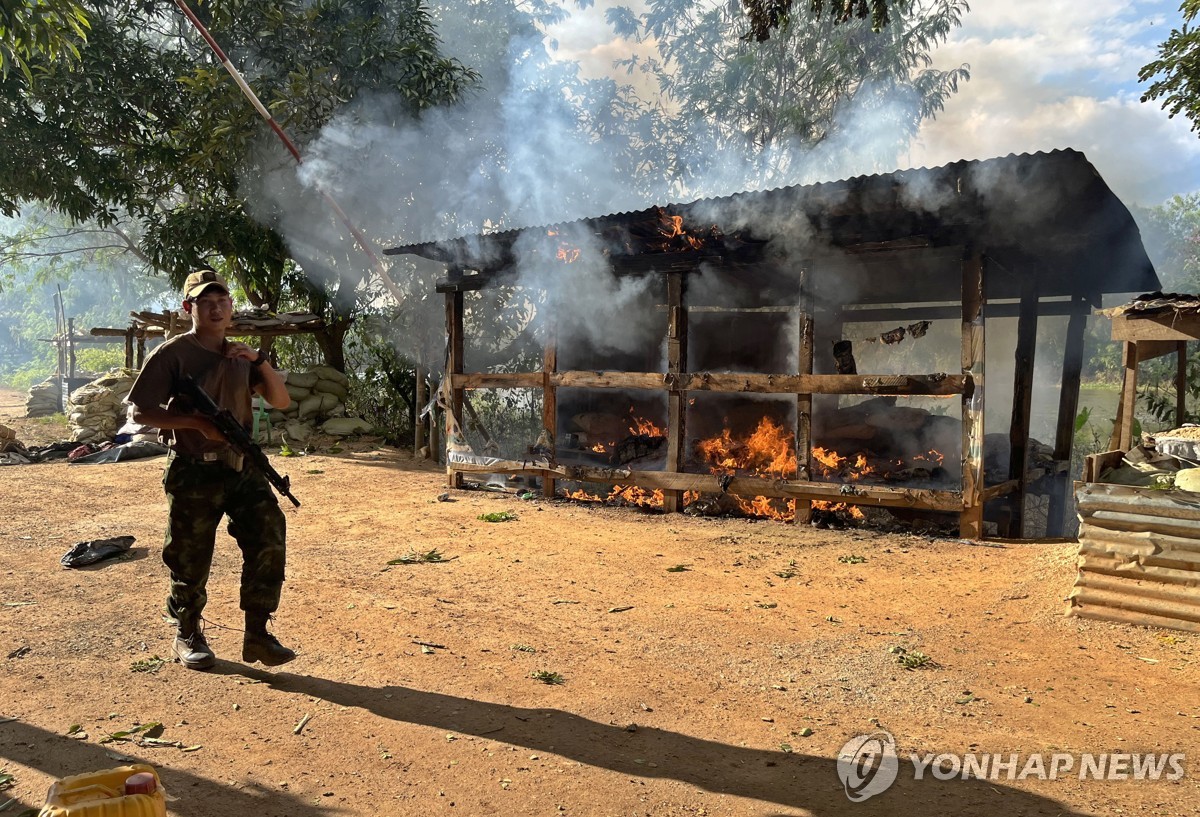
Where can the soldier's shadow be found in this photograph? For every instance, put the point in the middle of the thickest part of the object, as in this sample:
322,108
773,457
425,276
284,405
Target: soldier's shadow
788,779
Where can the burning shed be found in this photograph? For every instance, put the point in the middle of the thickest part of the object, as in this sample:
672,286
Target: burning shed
809,346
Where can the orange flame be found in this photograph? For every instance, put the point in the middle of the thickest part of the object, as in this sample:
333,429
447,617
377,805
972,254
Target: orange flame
566,253
599,448
673,228
633,495
835,507
642,426
768,451
583,496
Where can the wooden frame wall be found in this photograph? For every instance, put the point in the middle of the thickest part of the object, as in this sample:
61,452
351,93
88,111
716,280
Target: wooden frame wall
967,385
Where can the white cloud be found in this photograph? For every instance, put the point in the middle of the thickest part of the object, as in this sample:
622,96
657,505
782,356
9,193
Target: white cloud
1049,75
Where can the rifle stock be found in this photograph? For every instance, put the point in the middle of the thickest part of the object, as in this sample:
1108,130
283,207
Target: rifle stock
233,431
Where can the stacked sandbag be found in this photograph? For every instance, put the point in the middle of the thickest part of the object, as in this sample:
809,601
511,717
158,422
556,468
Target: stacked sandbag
318,404
97,410
44,398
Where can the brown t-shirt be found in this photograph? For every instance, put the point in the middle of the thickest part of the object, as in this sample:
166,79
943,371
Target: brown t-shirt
228,381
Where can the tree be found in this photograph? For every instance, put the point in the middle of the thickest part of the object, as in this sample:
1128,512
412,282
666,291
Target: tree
31,31
148,126
1172,237
811,94
1177,69
767,15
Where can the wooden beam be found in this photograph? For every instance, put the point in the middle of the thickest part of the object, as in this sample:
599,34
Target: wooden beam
1180,384
1018,430
421,397
1123,429
804,402
747,487
932,312
1002,489
677,350
1068,408
970,524
932,385
454,365
1162,326
550,401
1150,349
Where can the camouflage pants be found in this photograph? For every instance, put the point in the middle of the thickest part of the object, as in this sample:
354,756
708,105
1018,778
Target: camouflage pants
198,495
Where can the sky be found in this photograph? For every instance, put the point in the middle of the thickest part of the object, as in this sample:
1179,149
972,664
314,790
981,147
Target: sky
1045,74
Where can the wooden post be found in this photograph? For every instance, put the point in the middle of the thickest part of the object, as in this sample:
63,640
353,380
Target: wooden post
804,402
1181,384
421,397
60,324
454,417
1123,430
970,522
141,348
71,352
550,402
1018,430
1068,408
129,345
677,332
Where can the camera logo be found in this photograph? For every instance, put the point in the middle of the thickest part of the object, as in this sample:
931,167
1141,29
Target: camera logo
867,765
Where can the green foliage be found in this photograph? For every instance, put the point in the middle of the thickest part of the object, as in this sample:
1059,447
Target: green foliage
722,93
145,127
45,29
1176,71
498,516
548,677
1171,234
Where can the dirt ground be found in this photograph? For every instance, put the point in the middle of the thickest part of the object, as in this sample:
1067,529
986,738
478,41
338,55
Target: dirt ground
709,666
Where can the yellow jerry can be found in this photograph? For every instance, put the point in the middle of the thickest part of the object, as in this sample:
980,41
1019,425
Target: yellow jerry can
126,791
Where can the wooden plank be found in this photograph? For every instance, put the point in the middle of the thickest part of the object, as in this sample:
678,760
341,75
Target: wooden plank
500,380
970,524
804,402
1123,430
1068,408
1162,326
933,385
1096,464
1018,431
909,314
1180,383
454,365
1150,349
677,349
745,486
1002,489
550,402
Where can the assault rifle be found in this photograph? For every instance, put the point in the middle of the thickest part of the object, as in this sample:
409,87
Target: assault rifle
235,433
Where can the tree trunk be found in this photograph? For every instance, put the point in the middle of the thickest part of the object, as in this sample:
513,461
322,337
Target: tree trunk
331,340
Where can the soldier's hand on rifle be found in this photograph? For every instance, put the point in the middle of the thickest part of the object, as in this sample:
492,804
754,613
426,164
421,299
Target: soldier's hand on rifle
206,427
234,349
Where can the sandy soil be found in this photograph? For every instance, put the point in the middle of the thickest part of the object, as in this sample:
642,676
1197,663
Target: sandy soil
724,687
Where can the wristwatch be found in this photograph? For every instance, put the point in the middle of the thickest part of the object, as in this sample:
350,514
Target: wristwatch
260,360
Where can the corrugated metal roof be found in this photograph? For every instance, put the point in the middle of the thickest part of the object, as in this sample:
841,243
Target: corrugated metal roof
1044,214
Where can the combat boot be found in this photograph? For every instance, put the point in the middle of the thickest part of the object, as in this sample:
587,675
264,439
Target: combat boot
191,647
260,645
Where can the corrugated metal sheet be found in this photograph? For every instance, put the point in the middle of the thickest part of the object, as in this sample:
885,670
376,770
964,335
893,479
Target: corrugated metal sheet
1139,556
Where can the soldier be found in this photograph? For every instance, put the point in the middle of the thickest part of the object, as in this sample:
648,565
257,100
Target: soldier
205,478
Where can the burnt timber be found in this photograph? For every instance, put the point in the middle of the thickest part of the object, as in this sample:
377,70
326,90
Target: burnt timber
1023,237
